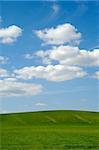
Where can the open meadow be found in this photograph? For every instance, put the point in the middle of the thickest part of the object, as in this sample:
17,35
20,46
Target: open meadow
50,130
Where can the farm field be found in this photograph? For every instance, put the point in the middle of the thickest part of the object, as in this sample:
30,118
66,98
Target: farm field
50,130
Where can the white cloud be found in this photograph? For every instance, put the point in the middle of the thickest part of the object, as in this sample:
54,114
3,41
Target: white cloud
40,104
55,8
3,60
62,34
10,34
10,79
70,61
55,73
96,75
29,56
13,88
40,54
44,55
70,55
3,73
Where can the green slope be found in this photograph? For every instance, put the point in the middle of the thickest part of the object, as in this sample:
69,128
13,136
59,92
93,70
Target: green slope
50,117
50,130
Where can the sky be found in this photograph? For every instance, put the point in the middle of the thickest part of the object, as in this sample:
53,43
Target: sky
49,56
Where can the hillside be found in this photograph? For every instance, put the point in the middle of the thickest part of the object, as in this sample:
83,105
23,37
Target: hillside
52,130
50,117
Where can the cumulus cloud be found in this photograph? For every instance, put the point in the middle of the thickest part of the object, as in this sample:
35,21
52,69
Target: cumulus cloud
10,34
65,61
62,34
12,88
44,55
3,60
96,75
39,54
69,60
50,72
3,73
71,55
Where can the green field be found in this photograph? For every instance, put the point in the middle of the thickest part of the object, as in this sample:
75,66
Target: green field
52,130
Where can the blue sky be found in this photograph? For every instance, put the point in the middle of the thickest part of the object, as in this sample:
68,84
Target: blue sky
49,56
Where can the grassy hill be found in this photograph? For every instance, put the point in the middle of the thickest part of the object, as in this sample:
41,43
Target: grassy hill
50,130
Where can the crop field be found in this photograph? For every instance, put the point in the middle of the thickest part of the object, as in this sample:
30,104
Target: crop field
50,130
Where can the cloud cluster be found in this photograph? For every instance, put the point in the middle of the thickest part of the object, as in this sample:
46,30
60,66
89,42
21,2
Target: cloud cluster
15,88
55,73
10,34
70,59
70,55
63,61
62,34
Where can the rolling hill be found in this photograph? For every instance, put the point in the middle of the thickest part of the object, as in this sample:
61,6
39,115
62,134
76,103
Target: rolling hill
50,130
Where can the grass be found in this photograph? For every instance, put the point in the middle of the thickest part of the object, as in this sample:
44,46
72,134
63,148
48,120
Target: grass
52,130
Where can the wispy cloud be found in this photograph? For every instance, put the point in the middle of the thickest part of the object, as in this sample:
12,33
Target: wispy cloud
55,8
10,88
3,73
29,56
96,75
4,60
40,104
